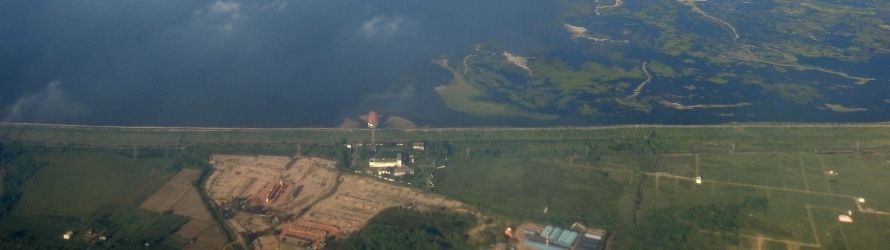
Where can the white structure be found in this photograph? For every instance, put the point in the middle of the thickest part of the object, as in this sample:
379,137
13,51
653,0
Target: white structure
402,171
67,235
386,163
844,218
698,180
861,200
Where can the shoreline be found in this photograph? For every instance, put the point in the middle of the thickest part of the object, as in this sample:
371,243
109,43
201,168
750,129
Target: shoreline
858,80
623,126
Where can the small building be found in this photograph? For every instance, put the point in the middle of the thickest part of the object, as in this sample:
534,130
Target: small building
418,146
844,218
67,235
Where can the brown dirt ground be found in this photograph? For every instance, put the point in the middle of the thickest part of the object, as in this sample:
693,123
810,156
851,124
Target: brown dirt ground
251,177
358,199
180,196
345,201
174,190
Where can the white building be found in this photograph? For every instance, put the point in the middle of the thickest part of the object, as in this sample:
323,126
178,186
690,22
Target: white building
386,163
402,171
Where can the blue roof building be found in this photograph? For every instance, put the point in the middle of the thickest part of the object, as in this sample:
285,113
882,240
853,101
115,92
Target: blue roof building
551,238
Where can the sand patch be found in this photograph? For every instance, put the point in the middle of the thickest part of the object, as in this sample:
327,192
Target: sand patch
680,106
842,109
519,61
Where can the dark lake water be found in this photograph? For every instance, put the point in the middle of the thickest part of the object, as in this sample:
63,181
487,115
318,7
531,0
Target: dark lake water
279,63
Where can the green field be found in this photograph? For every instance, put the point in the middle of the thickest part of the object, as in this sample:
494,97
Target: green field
85,191
764,186
770,190
403,228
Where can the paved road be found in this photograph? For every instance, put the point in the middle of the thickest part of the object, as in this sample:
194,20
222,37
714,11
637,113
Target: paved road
729,125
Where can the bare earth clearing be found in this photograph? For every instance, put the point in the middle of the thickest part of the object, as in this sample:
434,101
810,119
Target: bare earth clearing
312,191
252,177
181,197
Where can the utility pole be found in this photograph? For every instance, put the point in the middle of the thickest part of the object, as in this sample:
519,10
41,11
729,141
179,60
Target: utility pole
373,144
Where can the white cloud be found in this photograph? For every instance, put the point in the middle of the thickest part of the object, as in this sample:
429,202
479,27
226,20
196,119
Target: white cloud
224,8
228,16
382,26
223,15
277,5
50,104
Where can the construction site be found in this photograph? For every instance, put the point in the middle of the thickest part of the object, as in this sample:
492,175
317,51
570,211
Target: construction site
277,202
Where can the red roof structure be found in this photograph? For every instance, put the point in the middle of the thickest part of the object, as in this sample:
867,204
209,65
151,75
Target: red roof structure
372,119
308,233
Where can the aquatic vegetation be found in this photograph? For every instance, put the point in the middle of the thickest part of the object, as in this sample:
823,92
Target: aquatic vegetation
858,80
634,104
785,50
593,78
798,93
587,110
722,78
837,8
663,70
462,96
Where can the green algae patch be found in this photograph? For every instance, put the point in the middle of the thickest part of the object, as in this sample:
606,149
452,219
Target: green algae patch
836,8
798,93
662,70
460,95
593,78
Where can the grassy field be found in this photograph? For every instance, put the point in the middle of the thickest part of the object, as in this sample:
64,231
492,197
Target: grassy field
764,186
769,191
79,184
88,191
